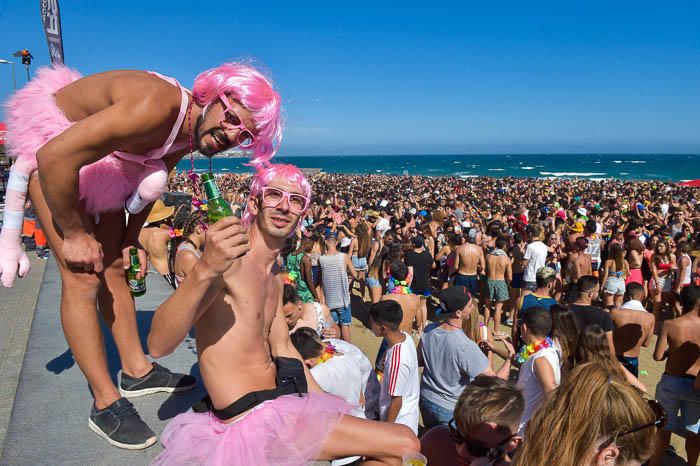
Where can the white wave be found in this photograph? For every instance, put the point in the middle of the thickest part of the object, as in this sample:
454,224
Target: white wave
624,173
528,168
571,174
457,161
597,161
496,169
378,171
617,161
597,179
468,176
638,161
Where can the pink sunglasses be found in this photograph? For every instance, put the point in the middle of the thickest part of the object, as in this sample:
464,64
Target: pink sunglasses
231,120
272,197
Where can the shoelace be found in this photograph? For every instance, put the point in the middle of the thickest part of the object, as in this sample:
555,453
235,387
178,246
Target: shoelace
124,411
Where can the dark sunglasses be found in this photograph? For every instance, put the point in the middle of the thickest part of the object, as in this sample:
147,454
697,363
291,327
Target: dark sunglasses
660,419
478,449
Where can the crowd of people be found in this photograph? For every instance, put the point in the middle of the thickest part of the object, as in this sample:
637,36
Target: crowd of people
525,301
564,280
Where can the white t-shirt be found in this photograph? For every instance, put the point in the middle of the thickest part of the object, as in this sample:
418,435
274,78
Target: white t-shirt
530,385
341,376
383,225
536,254
401,379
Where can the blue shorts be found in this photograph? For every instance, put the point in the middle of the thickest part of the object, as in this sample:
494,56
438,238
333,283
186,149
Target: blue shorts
517,281
360,263
471,282
315,270
630,363
342,315
373,282
424,293
433,414
681,403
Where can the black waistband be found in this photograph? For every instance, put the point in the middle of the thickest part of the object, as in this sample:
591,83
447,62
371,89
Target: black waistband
290,380
684,376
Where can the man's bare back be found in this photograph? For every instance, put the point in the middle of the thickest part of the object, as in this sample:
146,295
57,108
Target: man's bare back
496,267
155,242
410,304
633,329
682,338
469,256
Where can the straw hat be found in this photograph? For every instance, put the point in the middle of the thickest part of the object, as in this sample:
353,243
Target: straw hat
159,212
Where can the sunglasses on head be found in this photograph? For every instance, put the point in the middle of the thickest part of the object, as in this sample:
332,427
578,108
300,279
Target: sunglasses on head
231,120
478,449
660,420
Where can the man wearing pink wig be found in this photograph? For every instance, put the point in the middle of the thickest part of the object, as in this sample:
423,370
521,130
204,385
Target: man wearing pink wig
87,148
263,408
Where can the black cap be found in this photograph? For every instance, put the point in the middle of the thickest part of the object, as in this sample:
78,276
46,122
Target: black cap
452,299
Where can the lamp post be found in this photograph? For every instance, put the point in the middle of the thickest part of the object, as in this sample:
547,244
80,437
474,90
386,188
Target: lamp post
14,80
26,59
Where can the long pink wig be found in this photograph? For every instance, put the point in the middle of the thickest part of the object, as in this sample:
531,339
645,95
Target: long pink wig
287,173
252,89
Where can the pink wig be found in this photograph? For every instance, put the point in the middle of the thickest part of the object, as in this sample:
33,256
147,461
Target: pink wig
288,173
252,89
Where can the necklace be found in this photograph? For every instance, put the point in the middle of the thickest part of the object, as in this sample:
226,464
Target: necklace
189,137
452,325
394,286
328,353
528,350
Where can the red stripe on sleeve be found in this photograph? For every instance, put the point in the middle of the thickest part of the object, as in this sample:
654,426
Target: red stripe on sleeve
395,363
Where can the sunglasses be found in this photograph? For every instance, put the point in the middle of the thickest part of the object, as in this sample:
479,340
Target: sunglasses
272,197
660,420
478,449
231,120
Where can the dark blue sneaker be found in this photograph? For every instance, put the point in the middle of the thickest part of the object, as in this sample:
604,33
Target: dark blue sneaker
159,379
121,426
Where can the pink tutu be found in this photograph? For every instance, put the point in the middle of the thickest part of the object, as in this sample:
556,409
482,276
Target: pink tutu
287,431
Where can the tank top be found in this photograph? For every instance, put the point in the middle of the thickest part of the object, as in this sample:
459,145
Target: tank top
334,276
185,246
685,279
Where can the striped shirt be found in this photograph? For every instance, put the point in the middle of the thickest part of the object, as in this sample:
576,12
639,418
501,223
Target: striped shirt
401,379
334,280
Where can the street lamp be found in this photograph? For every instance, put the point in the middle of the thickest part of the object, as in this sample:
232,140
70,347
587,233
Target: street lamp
26,59
14,80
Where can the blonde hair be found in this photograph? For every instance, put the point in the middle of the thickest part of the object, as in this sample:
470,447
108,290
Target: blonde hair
586,410
488,399
470,325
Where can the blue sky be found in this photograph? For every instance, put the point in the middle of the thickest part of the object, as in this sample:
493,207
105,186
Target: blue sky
415,77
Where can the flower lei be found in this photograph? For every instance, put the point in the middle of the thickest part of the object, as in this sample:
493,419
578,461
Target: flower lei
174,232
394,286
290,278
528,350
328,353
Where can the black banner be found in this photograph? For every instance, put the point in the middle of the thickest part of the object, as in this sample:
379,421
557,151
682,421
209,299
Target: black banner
51,18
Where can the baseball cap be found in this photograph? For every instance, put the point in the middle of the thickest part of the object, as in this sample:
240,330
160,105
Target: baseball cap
473,233
544,273
452,299
582,211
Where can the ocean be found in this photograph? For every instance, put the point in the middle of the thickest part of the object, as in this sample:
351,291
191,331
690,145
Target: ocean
662,167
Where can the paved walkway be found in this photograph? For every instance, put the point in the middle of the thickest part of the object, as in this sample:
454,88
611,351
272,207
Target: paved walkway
52,403
16,314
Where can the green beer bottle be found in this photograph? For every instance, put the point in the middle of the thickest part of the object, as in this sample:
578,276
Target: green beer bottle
136,285
217,207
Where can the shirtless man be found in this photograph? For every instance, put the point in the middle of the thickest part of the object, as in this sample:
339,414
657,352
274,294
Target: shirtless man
679,341
499,273
634,327
78,142
313,315
579,265
259,412
469,261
